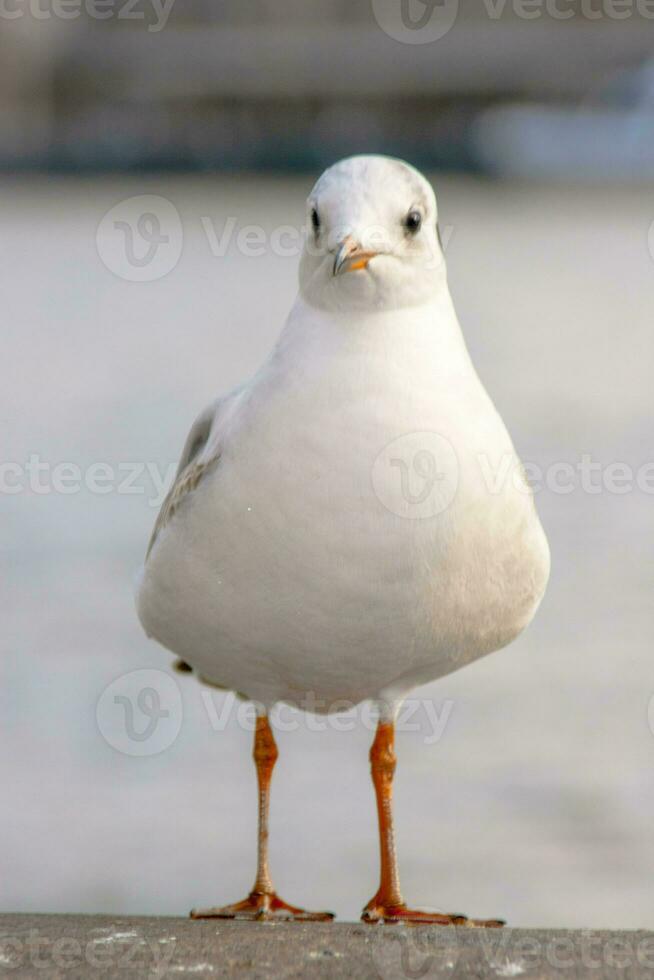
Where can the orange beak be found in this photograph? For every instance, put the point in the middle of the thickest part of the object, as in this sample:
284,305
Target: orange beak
350,257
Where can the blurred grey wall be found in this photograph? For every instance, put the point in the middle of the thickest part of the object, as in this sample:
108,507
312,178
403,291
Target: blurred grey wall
151,84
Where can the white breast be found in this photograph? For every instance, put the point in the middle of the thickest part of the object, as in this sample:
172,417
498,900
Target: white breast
310,560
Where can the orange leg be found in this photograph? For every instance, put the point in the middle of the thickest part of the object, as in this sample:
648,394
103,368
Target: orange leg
387,905
262,903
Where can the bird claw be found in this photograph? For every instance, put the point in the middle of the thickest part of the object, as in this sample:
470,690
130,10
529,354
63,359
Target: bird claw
262,907
376,911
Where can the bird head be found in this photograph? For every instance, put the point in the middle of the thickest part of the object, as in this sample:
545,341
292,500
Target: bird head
371,238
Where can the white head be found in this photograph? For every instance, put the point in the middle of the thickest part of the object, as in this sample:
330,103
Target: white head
372,238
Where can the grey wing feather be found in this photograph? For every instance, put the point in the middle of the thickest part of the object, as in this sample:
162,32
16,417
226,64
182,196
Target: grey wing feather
190,471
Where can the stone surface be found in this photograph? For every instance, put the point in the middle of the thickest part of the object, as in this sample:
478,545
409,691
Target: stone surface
73,946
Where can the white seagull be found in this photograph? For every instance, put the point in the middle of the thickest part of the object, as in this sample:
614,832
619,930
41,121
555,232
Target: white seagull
337,530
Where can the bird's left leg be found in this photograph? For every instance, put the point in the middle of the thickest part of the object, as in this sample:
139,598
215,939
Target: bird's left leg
262,903
387,905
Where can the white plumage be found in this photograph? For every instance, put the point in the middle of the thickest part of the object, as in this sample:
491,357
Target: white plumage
297,557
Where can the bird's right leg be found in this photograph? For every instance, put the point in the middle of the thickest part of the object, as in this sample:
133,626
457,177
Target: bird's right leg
262,903
387,904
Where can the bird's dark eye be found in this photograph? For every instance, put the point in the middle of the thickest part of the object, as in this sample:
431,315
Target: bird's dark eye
413,221
315,220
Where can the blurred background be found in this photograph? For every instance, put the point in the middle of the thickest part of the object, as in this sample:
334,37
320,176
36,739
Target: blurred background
140,145
521,86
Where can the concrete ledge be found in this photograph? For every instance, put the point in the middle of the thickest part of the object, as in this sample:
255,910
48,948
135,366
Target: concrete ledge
72,946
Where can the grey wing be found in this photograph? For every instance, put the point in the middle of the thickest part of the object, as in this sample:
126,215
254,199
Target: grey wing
193,464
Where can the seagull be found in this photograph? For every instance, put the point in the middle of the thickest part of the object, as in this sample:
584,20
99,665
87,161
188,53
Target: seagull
352,522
